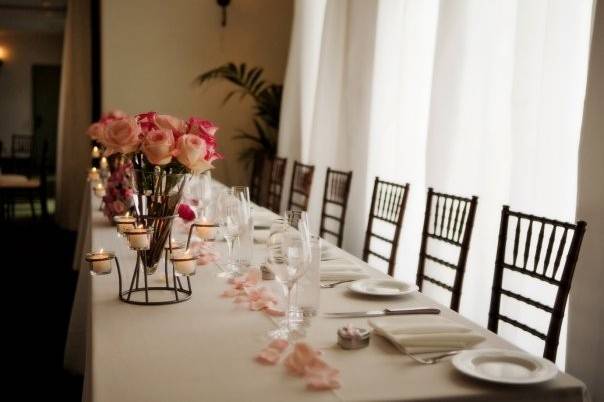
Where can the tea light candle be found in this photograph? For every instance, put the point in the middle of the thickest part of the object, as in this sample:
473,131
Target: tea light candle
205,232
138,238
100,262
95,152
104,164
99,190
184,263
93,174
124,222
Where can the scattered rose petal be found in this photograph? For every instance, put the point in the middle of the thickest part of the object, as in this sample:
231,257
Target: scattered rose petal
302,356
269,356
279,344
273,312
230,293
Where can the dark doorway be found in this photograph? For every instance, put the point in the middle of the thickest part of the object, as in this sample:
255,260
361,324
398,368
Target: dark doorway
46,83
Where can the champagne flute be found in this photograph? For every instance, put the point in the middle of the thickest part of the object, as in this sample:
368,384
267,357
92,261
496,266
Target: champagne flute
230,221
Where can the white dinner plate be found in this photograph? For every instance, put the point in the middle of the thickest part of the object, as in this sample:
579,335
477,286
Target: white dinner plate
382,287
504,366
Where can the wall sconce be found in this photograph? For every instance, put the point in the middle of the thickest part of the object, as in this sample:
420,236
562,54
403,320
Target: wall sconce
224,4
2,55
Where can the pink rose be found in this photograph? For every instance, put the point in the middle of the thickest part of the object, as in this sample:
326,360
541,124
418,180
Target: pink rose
95,131
157,146
121,136
199,126
147,121
191,151
112,115
168,122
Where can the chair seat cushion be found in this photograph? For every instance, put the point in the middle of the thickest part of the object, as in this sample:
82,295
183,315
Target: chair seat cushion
15,181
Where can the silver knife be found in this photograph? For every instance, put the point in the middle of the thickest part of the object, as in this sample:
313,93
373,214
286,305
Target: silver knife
385,312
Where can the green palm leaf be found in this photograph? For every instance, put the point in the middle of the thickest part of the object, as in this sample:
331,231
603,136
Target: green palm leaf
267,104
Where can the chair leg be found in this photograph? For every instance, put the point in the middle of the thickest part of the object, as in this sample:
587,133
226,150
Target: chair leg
31,204
43,203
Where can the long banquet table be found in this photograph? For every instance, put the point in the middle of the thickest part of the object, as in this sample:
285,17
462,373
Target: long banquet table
203,349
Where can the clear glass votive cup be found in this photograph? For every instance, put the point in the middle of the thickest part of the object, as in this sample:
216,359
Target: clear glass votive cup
184,264
100,262
123,223
205,230
139,238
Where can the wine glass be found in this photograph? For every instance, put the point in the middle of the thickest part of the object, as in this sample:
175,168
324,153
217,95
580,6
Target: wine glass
206,192
288,258
231,217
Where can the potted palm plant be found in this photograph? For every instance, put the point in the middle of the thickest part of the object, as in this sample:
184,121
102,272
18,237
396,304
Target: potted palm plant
249,82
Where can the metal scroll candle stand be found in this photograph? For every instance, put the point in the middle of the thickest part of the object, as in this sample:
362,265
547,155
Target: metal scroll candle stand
139,239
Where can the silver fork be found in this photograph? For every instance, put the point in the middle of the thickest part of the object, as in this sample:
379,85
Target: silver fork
334,284
433,359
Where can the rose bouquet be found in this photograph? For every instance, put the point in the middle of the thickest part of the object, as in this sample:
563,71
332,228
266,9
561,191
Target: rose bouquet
164,152
154,140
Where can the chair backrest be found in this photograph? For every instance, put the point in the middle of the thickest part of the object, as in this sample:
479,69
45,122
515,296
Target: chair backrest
299,190
275,184
256,180
448,219
335,203
21,146
556,269
388,204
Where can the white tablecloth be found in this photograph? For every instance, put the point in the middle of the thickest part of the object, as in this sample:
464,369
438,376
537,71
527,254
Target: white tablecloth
203,349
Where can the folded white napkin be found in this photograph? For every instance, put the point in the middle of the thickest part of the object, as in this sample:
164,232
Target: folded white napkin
261,236
263,217
425,334
341,270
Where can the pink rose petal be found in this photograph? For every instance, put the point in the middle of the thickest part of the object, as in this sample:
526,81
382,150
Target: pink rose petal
269,356
279,344
302,356
273,312
230,293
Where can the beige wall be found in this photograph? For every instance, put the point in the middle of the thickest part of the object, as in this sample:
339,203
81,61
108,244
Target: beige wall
24,49
152,50
586,313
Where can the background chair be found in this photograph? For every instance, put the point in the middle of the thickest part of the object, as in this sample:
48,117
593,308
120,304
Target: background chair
388,204
335,203
299,191
552,262
275,184
256,181
13,187
450,220
22,154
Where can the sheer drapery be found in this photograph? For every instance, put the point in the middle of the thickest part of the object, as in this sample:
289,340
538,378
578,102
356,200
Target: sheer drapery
470,97
74,115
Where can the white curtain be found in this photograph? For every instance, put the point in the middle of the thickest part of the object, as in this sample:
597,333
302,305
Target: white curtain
470,97
73,146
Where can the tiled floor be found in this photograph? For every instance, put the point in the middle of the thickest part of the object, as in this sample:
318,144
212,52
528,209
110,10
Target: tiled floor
39,287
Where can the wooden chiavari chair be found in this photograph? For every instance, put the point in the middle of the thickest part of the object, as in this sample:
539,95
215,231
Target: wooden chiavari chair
299,191
388,204
335,198
256,180
557,268
448,219
275,184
